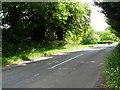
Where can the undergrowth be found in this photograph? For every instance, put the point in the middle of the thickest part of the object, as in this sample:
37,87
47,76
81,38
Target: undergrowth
14,57
112,69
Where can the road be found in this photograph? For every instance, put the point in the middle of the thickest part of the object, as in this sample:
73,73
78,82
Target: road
74,69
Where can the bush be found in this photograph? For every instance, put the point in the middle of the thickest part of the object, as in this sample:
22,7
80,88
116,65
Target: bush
90,39
107,36
112,69
8,49
54,44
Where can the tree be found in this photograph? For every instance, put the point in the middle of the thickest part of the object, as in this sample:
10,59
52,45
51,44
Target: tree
43,22
112,12
107,36
78,21
90,37
29,25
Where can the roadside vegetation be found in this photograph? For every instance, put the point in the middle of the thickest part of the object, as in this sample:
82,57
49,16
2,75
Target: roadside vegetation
32,54
107,36
112,64
40,28
112,69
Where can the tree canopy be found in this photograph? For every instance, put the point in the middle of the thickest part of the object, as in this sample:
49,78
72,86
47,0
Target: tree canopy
107,35
42,23
112,12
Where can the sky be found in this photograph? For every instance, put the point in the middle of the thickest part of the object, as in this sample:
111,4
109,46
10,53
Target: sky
97,18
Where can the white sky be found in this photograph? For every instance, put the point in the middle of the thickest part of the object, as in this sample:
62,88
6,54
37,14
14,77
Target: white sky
97,18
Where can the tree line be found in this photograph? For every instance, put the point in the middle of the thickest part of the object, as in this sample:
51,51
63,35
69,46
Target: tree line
28,25
39,24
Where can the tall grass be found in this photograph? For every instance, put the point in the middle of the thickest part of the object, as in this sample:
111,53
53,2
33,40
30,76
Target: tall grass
112,69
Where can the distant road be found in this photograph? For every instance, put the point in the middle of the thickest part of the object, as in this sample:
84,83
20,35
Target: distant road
76,69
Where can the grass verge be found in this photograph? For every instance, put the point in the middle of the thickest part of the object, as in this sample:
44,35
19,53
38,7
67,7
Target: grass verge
39,52
112,69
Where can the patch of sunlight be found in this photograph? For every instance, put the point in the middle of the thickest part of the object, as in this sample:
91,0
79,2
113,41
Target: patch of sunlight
92,61
42,58
61,53
91,49
24,63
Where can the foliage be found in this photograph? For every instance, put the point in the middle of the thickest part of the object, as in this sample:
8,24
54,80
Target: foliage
28,25
80,26
107,36
43,22
112,12
90,37
72,38
112,69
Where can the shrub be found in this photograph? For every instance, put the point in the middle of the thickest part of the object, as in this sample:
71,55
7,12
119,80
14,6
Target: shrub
112,69
90,38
